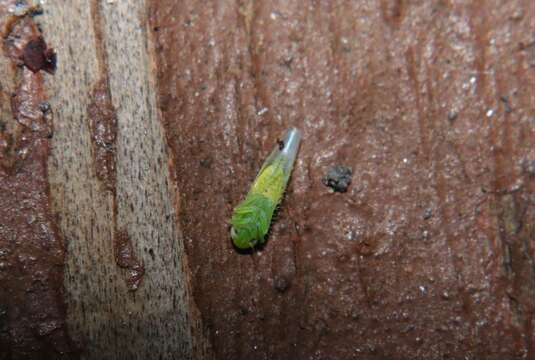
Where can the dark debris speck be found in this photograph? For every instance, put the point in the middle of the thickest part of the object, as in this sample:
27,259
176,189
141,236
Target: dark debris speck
529,167
45,107
37,56
338,178
428,214
506,104
452,116
206,163
281,284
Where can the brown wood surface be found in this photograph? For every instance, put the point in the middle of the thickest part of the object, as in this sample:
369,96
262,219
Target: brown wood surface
108,42
429,253
162,112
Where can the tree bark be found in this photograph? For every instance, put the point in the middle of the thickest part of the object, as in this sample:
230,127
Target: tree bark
120,171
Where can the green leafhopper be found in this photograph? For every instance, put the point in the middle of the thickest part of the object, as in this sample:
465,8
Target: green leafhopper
252,217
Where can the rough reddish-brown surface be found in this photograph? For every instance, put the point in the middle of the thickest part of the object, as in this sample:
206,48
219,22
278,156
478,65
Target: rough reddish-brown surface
32,311
103,124
127,259
429,254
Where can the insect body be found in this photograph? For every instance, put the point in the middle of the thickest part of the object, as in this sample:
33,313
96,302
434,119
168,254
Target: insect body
252,217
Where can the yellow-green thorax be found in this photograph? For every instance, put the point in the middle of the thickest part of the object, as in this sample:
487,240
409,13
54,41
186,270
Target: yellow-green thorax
271,182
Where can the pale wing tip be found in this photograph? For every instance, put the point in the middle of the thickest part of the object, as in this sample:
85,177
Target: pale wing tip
291,139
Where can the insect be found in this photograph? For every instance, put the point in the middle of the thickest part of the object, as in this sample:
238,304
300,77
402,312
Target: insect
252,217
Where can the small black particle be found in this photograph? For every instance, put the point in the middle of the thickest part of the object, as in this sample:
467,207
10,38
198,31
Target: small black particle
281,144
206,163
37,10
338,178
243,310
281,284
452,116
45,107
506,104
51,60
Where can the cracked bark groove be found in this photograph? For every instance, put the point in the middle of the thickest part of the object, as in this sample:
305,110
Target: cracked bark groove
163,113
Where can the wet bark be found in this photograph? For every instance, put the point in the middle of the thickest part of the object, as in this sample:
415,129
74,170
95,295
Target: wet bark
162,113
101,181
428,253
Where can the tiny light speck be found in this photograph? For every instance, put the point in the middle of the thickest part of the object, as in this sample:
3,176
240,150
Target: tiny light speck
262,111
490,112
405,160
473,80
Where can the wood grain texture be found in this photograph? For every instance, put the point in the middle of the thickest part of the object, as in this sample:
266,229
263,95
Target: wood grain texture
159,129
429,253
107,43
